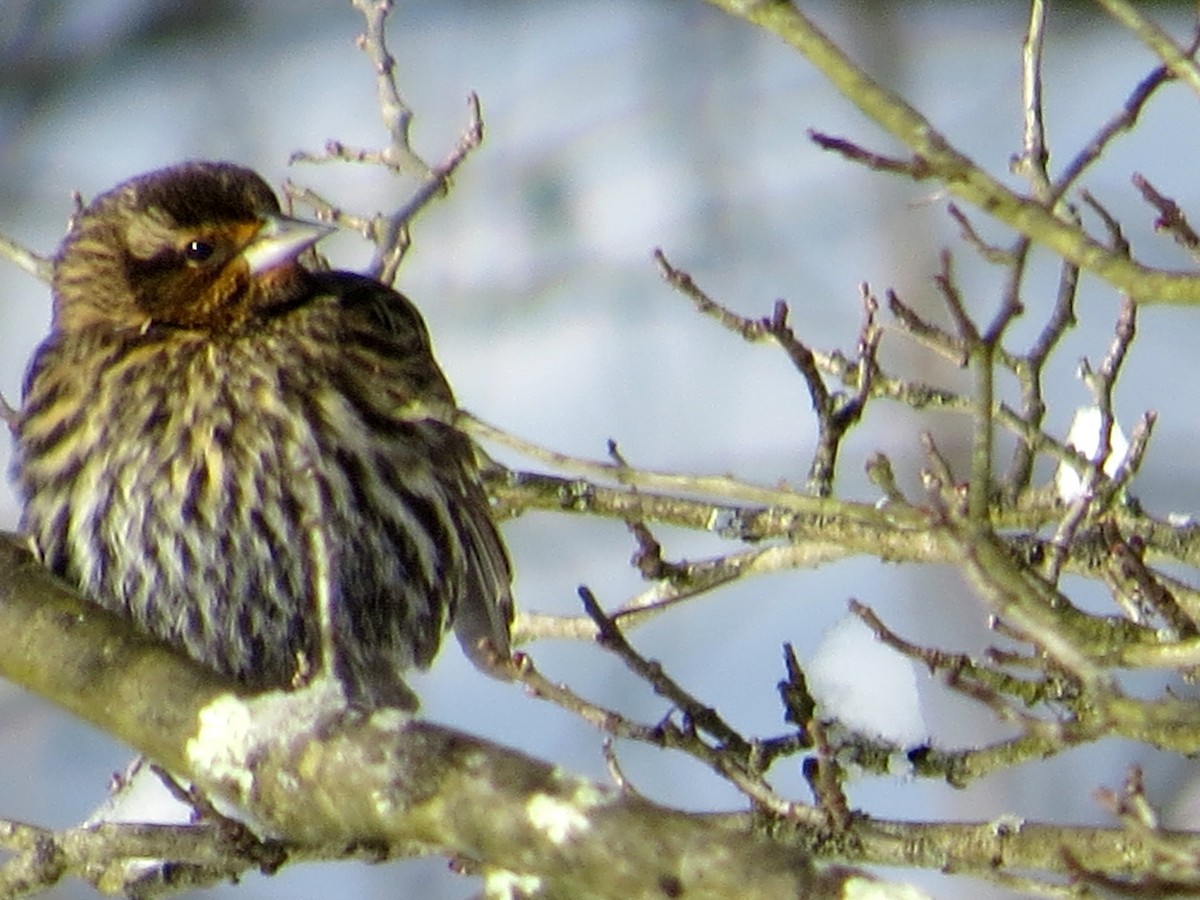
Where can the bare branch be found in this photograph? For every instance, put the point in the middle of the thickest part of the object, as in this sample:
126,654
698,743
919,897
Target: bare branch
40,267
1171,218
961,177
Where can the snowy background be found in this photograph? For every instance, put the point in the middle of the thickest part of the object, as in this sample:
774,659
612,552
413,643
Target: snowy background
614,128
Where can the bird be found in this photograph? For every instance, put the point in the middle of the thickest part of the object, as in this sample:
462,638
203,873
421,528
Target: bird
248,456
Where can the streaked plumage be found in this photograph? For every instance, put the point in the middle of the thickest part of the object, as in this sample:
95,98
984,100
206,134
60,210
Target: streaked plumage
213,437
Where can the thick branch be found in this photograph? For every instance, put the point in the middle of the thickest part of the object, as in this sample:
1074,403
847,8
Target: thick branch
326,781
319,776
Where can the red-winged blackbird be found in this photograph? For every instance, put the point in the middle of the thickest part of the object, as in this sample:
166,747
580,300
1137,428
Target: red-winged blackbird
231,449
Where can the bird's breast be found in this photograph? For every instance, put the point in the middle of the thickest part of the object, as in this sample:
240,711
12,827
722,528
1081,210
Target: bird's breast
193,484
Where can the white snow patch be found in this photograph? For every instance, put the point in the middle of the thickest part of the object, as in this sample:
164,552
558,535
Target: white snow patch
866,685
867,889
1085,436
504,885
559,820
141,797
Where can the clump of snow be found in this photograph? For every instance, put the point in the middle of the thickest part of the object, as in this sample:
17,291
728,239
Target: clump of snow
141,796
869,889
558,820
1085,437
504,885
865,685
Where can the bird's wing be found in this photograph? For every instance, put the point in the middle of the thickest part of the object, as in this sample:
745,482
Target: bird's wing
484,608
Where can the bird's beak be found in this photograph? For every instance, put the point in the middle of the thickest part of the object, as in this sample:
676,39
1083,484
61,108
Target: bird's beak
280,240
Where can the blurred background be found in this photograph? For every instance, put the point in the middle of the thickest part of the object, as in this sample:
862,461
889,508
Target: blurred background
614,128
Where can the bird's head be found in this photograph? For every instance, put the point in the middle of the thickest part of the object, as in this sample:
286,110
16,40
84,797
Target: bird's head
199,245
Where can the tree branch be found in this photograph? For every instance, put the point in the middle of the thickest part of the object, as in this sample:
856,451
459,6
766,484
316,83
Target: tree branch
322,779
959,174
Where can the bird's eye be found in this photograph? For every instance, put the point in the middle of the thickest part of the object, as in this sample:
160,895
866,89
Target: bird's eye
198,251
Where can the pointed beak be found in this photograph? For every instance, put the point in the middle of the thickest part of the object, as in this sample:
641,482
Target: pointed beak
280,240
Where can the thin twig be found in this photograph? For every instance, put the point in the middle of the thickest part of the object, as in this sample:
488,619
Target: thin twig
395,113
610,637
1176,58
40,267
666,734
916,167
1121,122
750,329
1034,154
389,232
990,252
1029,370
1171,218
825,775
